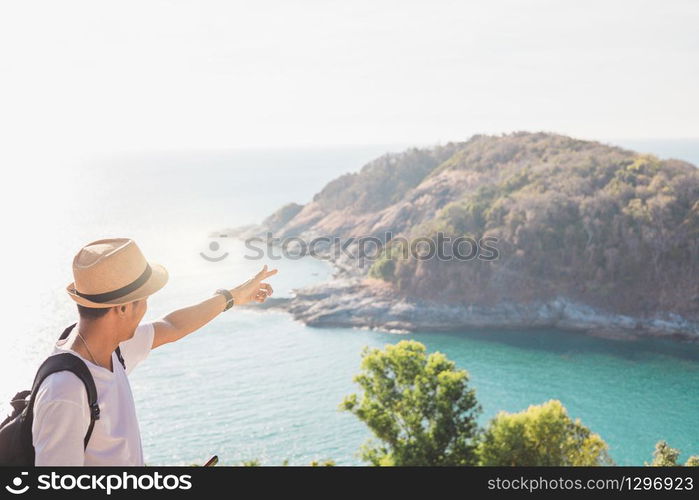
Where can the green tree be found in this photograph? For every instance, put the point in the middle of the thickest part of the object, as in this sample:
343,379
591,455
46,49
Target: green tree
667,456
419,407
541,435
664,455
325,463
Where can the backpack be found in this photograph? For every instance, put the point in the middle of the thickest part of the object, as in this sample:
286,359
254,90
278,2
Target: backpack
16,446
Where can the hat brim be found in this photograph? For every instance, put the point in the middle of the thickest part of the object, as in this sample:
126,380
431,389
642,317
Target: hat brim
157,280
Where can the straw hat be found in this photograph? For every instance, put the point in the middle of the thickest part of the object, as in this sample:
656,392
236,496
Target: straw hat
112,272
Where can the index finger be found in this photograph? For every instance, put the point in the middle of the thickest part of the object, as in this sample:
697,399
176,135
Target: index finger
264,273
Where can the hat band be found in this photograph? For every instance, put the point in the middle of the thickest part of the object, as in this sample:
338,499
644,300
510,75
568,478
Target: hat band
124,290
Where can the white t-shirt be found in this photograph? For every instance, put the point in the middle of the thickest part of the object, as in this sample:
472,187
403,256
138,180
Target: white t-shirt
62,414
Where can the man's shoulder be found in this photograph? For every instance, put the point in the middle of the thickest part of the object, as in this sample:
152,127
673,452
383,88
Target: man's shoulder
60,420
62,386
144,328
137,348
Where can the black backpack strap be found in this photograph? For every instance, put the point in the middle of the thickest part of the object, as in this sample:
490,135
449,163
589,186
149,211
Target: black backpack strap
120,358
67,331
67,362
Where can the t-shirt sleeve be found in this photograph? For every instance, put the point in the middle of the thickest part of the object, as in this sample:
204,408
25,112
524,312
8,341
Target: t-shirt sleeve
61,420
137,348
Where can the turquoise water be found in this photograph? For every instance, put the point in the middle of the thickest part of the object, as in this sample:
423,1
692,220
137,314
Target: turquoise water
270,388
256,385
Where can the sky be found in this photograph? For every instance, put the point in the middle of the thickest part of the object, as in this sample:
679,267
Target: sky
97,76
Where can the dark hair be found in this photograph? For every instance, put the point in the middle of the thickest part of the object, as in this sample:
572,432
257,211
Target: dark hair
92,312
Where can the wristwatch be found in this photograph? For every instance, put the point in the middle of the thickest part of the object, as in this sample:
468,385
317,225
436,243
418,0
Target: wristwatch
229,297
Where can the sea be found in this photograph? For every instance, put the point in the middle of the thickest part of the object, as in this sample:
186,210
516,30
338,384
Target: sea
255,385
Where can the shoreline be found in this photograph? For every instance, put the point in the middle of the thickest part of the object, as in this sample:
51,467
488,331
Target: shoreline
363,303
351,300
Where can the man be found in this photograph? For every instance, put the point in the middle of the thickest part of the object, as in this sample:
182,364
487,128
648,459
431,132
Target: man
112,283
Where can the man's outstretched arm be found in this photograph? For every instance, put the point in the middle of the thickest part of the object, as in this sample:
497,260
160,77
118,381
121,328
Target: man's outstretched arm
182,322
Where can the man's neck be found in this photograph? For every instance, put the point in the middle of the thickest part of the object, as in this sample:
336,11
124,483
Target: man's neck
100,341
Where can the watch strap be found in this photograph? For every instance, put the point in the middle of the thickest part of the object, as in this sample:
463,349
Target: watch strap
229,297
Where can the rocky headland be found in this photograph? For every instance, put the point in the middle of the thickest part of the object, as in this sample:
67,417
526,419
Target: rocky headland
589,237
